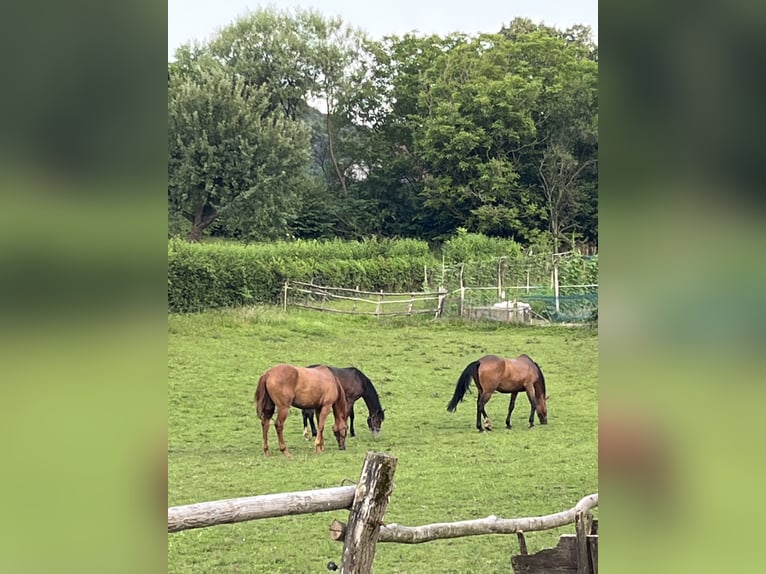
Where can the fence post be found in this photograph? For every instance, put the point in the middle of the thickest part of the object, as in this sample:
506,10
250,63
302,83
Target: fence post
462,291
581,544
556,281
285,305
377,307
370,502
440,304
444,269
500,278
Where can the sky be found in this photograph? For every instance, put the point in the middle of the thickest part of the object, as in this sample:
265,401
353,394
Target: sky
190,20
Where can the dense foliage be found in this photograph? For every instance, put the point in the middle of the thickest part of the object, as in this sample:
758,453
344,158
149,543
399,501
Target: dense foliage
292,125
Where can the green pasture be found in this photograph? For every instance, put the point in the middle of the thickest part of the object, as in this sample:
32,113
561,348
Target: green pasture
446,470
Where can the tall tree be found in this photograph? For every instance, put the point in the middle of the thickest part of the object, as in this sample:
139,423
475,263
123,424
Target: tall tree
477,121
306,62
232,157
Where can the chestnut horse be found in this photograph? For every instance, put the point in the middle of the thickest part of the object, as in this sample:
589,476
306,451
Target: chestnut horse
283,386
356,385
492,373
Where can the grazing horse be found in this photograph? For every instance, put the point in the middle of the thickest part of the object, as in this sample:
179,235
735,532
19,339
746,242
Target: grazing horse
492,373
356,384
285,385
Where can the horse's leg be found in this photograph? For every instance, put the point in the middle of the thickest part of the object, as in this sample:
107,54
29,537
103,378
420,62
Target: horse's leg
480,402
479,408
511,404
487,423
265,426
311,421
280,425
533,403
351,418
306,418
319,443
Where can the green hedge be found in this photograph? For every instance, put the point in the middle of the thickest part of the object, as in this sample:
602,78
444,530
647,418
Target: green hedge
209,275
203,276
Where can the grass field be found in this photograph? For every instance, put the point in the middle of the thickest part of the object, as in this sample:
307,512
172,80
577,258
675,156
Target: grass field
446,471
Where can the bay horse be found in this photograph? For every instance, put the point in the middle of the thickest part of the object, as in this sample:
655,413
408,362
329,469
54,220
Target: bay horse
356,385
492,373
283,386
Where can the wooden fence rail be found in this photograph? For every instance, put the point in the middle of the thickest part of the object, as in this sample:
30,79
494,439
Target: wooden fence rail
255,507
478,527
367,503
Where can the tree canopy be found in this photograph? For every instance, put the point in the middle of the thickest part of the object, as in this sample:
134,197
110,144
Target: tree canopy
289,124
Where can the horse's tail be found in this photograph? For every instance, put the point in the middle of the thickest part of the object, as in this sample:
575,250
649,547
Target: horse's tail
464,384
263,403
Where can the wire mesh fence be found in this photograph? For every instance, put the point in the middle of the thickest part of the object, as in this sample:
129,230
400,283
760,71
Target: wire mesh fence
524,289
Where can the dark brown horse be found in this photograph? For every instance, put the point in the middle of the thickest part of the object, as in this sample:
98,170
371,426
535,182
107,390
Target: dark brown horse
492,373
356,385
283,386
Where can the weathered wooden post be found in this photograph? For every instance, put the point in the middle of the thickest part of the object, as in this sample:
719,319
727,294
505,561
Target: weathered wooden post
440,304
380,302
583,567
360,536
356,298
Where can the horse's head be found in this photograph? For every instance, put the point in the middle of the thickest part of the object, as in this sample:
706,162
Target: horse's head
375,420
542,409
339,430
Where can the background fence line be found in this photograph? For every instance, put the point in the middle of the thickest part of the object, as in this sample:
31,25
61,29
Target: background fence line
574,303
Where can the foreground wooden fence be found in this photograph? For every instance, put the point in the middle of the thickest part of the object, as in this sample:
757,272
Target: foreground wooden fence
367,503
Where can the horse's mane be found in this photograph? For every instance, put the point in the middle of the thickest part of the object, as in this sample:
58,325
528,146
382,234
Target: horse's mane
541,379
369,394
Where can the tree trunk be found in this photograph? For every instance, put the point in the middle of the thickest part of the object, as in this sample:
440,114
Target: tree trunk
200,220
332,151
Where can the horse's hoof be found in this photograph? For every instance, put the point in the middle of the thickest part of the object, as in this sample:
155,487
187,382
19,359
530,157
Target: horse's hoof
267,452
287,454
306,434
508,427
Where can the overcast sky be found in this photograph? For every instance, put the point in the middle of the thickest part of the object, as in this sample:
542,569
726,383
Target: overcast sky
199,19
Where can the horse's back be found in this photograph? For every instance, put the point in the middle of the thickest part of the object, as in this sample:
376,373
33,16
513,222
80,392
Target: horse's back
507,375
316,386
282,375
351,380
524,370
